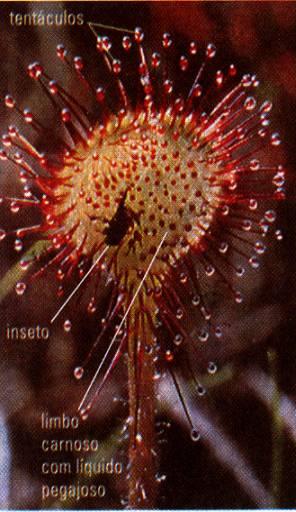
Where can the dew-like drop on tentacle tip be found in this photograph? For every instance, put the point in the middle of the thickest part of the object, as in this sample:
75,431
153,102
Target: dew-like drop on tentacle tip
24,264
83,414
218,332
212,367
67,325
201,390
20,288
78,372
194,435
18,245
178,339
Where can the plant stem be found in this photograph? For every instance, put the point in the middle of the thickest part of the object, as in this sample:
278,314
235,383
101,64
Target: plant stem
142,482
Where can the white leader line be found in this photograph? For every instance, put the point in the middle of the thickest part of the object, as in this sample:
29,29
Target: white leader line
92,24
122,322
79,284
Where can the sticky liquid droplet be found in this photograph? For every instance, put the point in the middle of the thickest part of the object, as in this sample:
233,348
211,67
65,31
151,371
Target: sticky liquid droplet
18,245
254,262
203,336
139,438
14,207
218,332
212,367
67,325
195,300
178,339
78,372
195,435
270,216
201,390
20,288
24,264
238,297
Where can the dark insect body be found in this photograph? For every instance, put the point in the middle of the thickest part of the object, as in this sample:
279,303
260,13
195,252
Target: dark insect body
170,190
119,224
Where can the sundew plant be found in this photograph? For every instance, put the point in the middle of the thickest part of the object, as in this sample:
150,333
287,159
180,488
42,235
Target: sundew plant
142,173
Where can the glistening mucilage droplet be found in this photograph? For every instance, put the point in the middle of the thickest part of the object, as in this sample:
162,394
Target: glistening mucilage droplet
166,181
